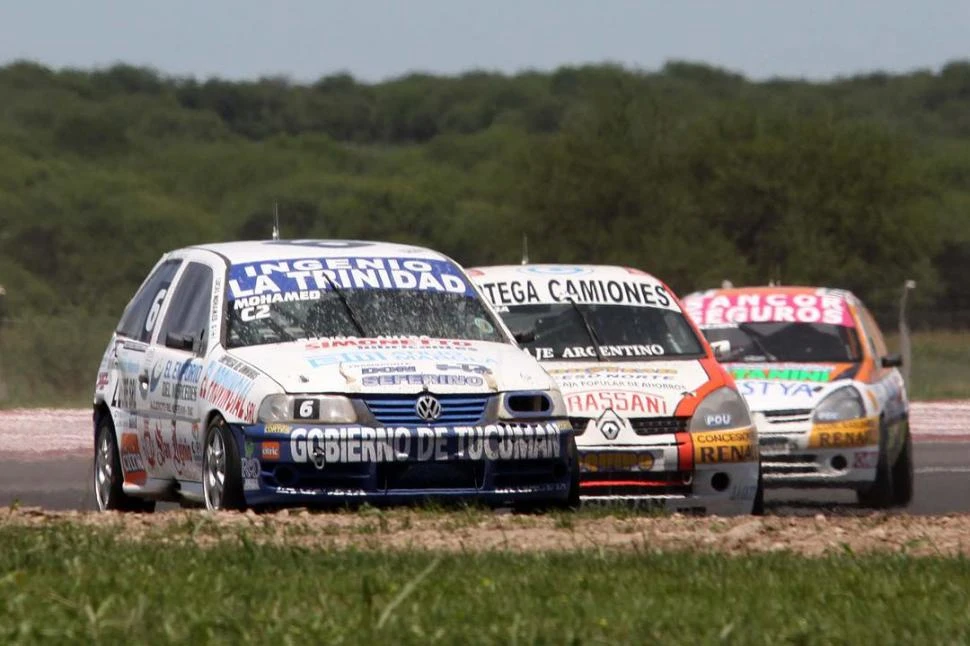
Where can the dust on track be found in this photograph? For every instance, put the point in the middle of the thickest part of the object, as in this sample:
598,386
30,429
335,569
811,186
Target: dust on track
473,531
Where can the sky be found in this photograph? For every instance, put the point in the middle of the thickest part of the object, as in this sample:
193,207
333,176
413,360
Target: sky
379,39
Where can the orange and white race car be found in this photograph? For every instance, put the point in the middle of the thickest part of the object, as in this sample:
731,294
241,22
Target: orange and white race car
826,396
658,421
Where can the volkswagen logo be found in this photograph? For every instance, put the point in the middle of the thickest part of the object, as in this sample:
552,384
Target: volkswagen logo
428,408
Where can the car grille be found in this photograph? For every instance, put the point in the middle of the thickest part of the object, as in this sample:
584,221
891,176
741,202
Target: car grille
399,410
659,425
788,416
641,425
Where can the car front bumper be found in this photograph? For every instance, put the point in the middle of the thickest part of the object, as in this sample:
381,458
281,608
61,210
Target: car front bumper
692,473
495,464
800,453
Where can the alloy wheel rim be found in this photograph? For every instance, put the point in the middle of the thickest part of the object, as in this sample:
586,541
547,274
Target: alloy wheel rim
103,471
215,471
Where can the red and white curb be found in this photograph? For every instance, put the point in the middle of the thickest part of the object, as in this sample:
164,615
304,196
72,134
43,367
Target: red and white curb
45,433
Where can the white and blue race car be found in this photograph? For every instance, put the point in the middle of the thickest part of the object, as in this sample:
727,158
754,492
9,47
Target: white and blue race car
311,372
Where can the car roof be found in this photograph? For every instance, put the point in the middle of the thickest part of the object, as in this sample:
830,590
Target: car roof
562,270
270,250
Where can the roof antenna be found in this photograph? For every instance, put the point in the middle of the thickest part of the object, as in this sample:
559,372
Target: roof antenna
276,221
525,249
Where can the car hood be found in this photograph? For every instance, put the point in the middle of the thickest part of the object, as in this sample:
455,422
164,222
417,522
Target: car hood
788,386
396,366
631,389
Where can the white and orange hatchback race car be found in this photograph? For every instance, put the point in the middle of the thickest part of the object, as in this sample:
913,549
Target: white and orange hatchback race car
826,396
658,420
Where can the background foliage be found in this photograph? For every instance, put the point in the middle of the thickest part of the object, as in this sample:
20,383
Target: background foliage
690,172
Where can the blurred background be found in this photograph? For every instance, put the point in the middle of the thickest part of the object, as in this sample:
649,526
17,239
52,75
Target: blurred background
818,143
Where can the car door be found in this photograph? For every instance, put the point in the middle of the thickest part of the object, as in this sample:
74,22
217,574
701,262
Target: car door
180,346
133,342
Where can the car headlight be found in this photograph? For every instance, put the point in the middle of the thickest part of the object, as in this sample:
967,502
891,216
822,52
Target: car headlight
840,405
723,408
322,409
541,403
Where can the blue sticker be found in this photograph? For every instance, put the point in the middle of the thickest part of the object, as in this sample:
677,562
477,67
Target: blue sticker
263,281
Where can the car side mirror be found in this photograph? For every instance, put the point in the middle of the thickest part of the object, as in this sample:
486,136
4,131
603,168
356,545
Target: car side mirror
892,361
721,348
180,341
524,336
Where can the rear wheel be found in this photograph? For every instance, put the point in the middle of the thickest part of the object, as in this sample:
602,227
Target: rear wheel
903,474
108,477
880,495
221,469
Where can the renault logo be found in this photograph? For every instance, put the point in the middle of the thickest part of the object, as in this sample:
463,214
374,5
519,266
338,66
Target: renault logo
428,408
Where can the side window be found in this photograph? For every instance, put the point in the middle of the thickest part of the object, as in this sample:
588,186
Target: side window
141,315
188,314
877,344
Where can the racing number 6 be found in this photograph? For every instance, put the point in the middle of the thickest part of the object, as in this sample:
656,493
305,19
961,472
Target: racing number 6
306,408
156,308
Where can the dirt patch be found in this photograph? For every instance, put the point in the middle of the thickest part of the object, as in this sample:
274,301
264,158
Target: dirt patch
473,531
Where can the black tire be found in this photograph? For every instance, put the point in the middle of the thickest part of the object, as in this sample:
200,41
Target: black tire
903,477
109,494
572,501
231,494
880,495
758,508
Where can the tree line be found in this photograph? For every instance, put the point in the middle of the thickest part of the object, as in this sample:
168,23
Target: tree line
690,172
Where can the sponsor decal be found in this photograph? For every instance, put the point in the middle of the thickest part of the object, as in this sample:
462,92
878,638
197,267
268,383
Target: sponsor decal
605,461
361,444
181,452
266,283
744,492
131,460
720,447
765,308
423,380
227,384
865,460
856,432
777,388
270,450
641,292
277,429
619,378
249,468
636,350
148,446
386,342
621,401
450,355
163,452
125,390
821,374
102,381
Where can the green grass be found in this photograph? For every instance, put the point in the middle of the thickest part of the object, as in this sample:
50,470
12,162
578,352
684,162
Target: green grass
64,584
941,365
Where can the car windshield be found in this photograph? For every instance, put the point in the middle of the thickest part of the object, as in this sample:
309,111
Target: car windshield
567,331
378,312
787,342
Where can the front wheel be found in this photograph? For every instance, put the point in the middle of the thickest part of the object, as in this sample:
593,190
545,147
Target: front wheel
758,508
903,474
221,469
108,477
880,494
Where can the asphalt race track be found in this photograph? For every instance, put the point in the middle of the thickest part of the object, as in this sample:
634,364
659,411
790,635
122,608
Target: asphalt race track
45,462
